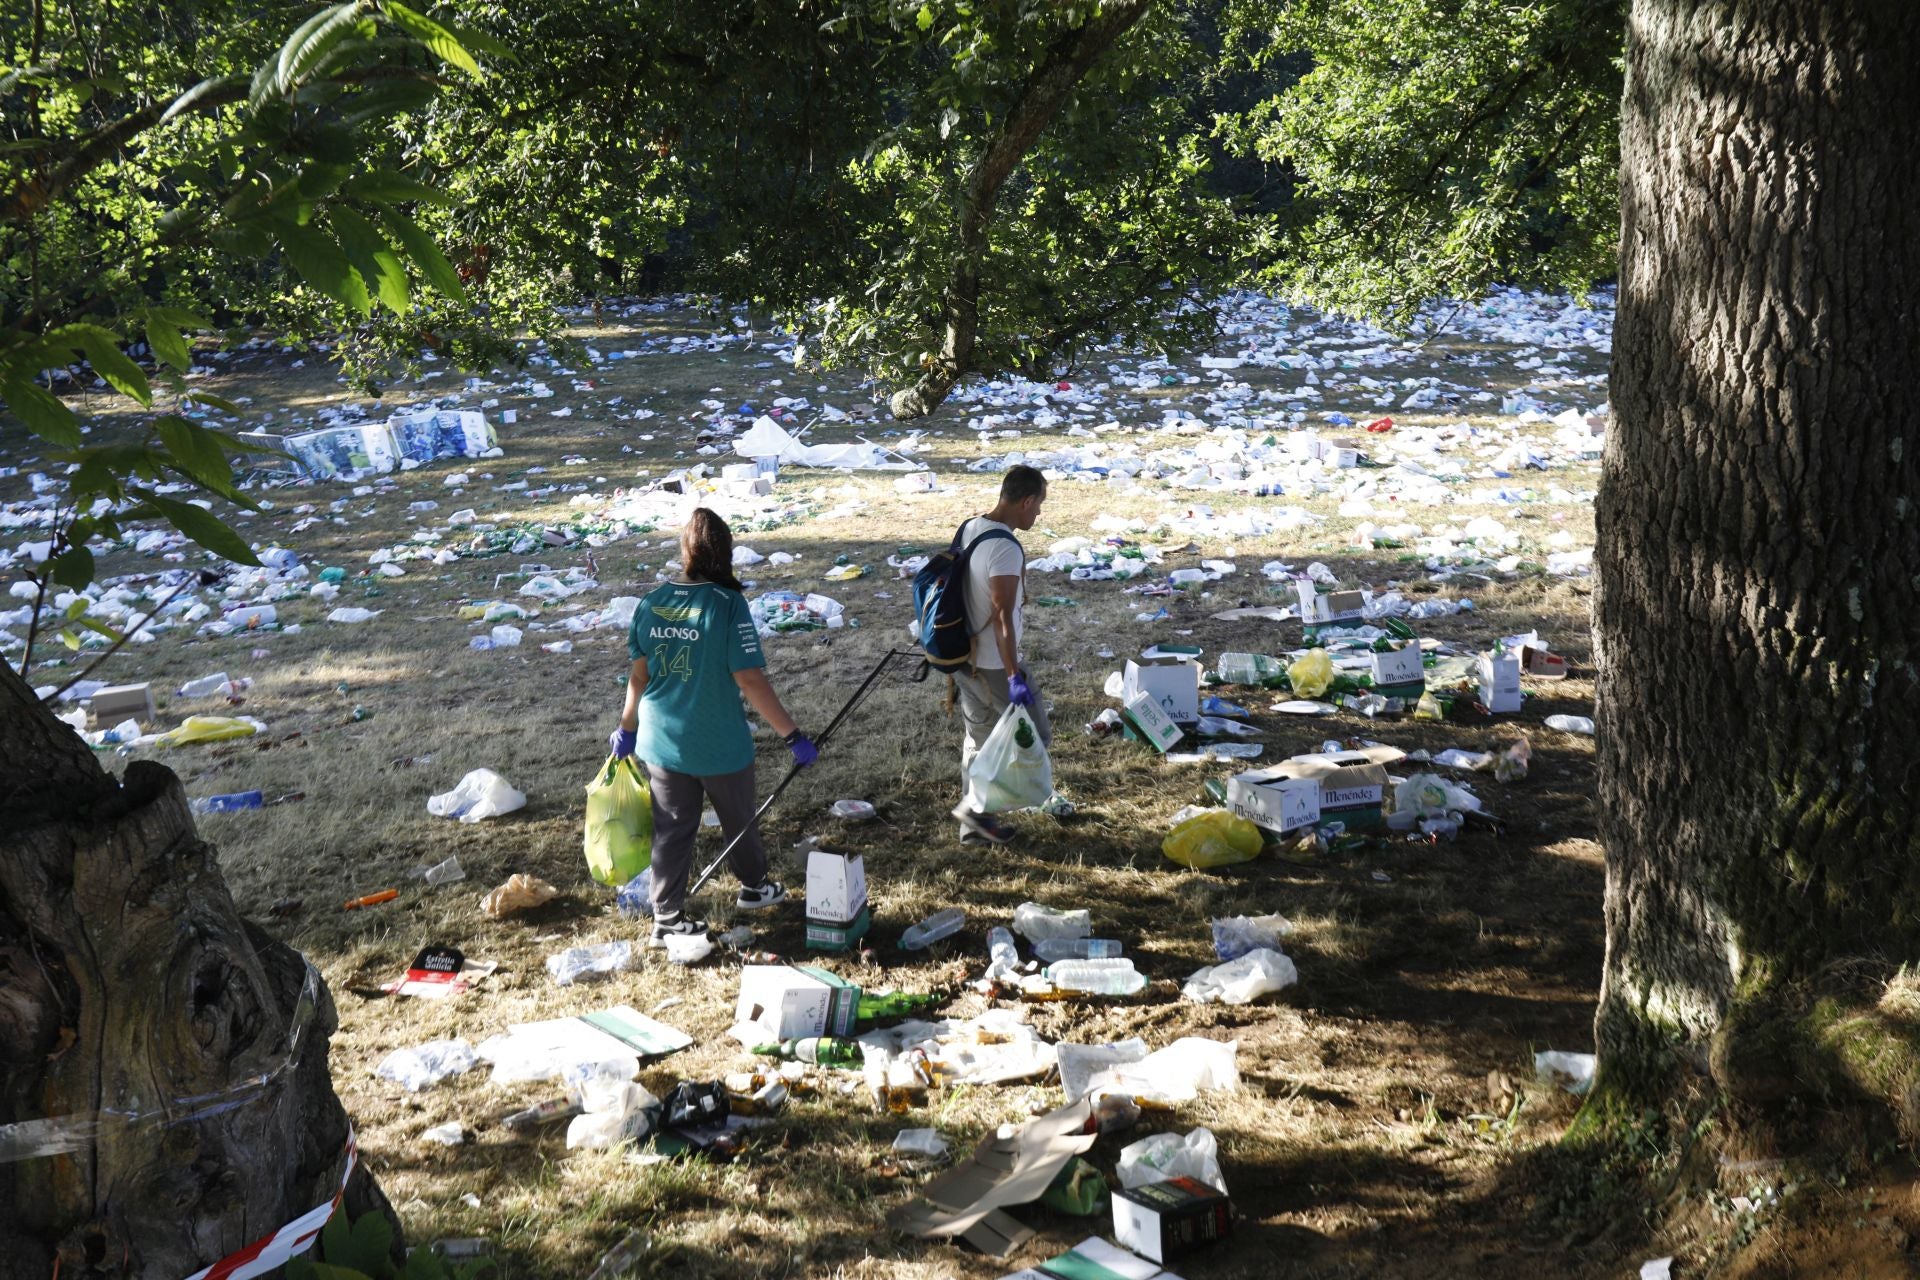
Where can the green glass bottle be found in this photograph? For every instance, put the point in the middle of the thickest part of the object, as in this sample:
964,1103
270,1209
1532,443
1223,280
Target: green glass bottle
896,1004
826,1051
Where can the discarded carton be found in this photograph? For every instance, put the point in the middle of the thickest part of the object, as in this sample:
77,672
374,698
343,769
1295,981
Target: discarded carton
1352,784
844,1006
789,1002
1540,664
119,701
1173,683
1014,1166
823,936
1500,682
1399,673
1152,722
1168,1220
1317,610
1275,799
836,887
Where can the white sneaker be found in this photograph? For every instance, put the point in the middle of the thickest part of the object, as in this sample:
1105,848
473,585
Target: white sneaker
770,894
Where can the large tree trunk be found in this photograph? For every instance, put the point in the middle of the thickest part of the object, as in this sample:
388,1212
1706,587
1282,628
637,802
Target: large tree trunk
1759,550
164,1095
1045,93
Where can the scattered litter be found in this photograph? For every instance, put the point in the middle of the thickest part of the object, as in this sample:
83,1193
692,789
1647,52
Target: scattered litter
1571,1071
426,1065
480,795
1242,981
519,892
1165,1156
579,964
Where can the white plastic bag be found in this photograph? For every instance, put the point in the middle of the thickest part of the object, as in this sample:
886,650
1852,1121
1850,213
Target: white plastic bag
1079,1063
1166,1156
1177,1073
1005,775
1244,980
481,794
426,1065
627,1119
1234,936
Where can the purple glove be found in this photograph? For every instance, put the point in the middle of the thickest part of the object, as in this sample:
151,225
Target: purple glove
804,752
620,742
1018,692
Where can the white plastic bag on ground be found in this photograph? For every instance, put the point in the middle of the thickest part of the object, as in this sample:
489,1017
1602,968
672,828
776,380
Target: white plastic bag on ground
1038,923
1005,775
1242,981
626,1118
1572,1071
1177,1073
1166,1156
1234,936
481,794
425,1065
1079,1063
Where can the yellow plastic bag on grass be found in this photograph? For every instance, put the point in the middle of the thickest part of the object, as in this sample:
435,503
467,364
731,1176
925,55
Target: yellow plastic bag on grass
619,835
1312,675
209,729
1215,838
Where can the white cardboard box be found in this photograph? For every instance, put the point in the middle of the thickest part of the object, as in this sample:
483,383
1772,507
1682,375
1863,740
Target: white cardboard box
782,1002
1500,682
836,886
1399,667
1335,606
1153,722
1274,800
1174,683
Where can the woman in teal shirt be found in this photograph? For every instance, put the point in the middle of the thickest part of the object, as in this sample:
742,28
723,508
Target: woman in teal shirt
695,652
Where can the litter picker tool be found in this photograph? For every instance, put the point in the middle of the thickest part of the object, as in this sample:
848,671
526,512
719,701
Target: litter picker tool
859,695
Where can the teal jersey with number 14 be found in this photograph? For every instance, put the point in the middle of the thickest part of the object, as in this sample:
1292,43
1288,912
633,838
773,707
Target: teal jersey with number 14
694,636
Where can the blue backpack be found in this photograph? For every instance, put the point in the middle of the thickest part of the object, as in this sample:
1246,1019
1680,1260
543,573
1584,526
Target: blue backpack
940,603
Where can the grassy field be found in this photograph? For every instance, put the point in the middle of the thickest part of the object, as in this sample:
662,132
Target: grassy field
1388,1122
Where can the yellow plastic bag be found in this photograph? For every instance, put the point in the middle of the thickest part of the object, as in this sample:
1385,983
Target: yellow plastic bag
1312,675
619,835
1215,838
209,729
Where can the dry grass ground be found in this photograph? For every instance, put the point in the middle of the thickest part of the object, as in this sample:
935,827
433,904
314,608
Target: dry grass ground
1365,1139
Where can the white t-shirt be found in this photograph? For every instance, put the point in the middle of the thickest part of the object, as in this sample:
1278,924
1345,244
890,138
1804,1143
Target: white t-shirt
994,558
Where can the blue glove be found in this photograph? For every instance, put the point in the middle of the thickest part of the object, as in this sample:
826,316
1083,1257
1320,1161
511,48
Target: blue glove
620,742
1018,692
804,752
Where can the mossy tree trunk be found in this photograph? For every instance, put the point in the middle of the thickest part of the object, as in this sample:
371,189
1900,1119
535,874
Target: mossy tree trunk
1759,536
150,1024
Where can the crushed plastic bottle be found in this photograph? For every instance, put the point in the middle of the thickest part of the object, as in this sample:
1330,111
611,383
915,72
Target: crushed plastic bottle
230,803
1037,923
635,897
1097,977
941,924
621,1258
205,686
577,963
1003,954
1076,949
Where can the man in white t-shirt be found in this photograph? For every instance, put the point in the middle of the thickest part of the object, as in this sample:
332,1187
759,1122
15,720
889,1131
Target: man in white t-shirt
996,594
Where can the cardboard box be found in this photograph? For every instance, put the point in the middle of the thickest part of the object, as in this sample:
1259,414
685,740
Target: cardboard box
826,936
1399,673
844,1006
1340,456
1168,1220
1317,610
1153,723
1353,784
1095,1259
1275,799
1540,664
122,700
1500,682
1172,682
783,1002
836,887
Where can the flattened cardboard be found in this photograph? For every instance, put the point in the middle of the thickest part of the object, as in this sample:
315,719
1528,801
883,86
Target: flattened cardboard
966,1200
1172,682
439,972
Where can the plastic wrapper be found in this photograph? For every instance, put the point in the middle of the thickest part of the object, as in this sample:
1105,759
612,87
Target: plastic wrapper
1311,675
627,1116
1242,981
1572,1071
1215,838
480,795
210,729
520,892
1080,1063
1037,923
577,964
1011,770
1166,1156
1178,1073
1234,936
425,1065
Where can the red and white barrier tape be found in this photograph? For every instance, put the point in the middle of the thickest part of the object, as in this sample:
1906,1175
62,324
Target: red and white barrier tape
269,1253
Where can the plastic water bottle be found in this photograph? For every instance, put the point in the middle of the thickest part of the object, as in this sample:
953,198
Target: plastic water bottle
205,686
1077,949
1002,952
940,924
231,803
1571,724
635,898
1097,977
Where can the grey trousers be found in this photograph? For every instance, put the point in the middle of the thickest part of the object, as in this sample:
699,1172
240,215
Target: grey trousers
677,801
983,699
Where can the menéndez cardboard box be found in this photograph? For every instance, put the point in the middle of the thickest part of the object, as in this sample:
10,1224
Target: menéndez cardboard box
837,913
1318,610
839,937
1174,683
1152,723
1353,784
1274,799
791,1002
119,701
1500,682
1171,1219
1399,673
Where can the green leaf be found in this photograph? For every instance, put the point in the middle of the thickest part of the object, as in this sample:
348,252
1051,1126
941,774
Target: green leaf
180,317
317,258
168,345
72,568
376,263
75,608
97,627
336,1238
203,527
307,49
442,42
425,1264
925,17
383,186
70,638
42,411
425,254
196,451
102,349
372,1238
213,401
